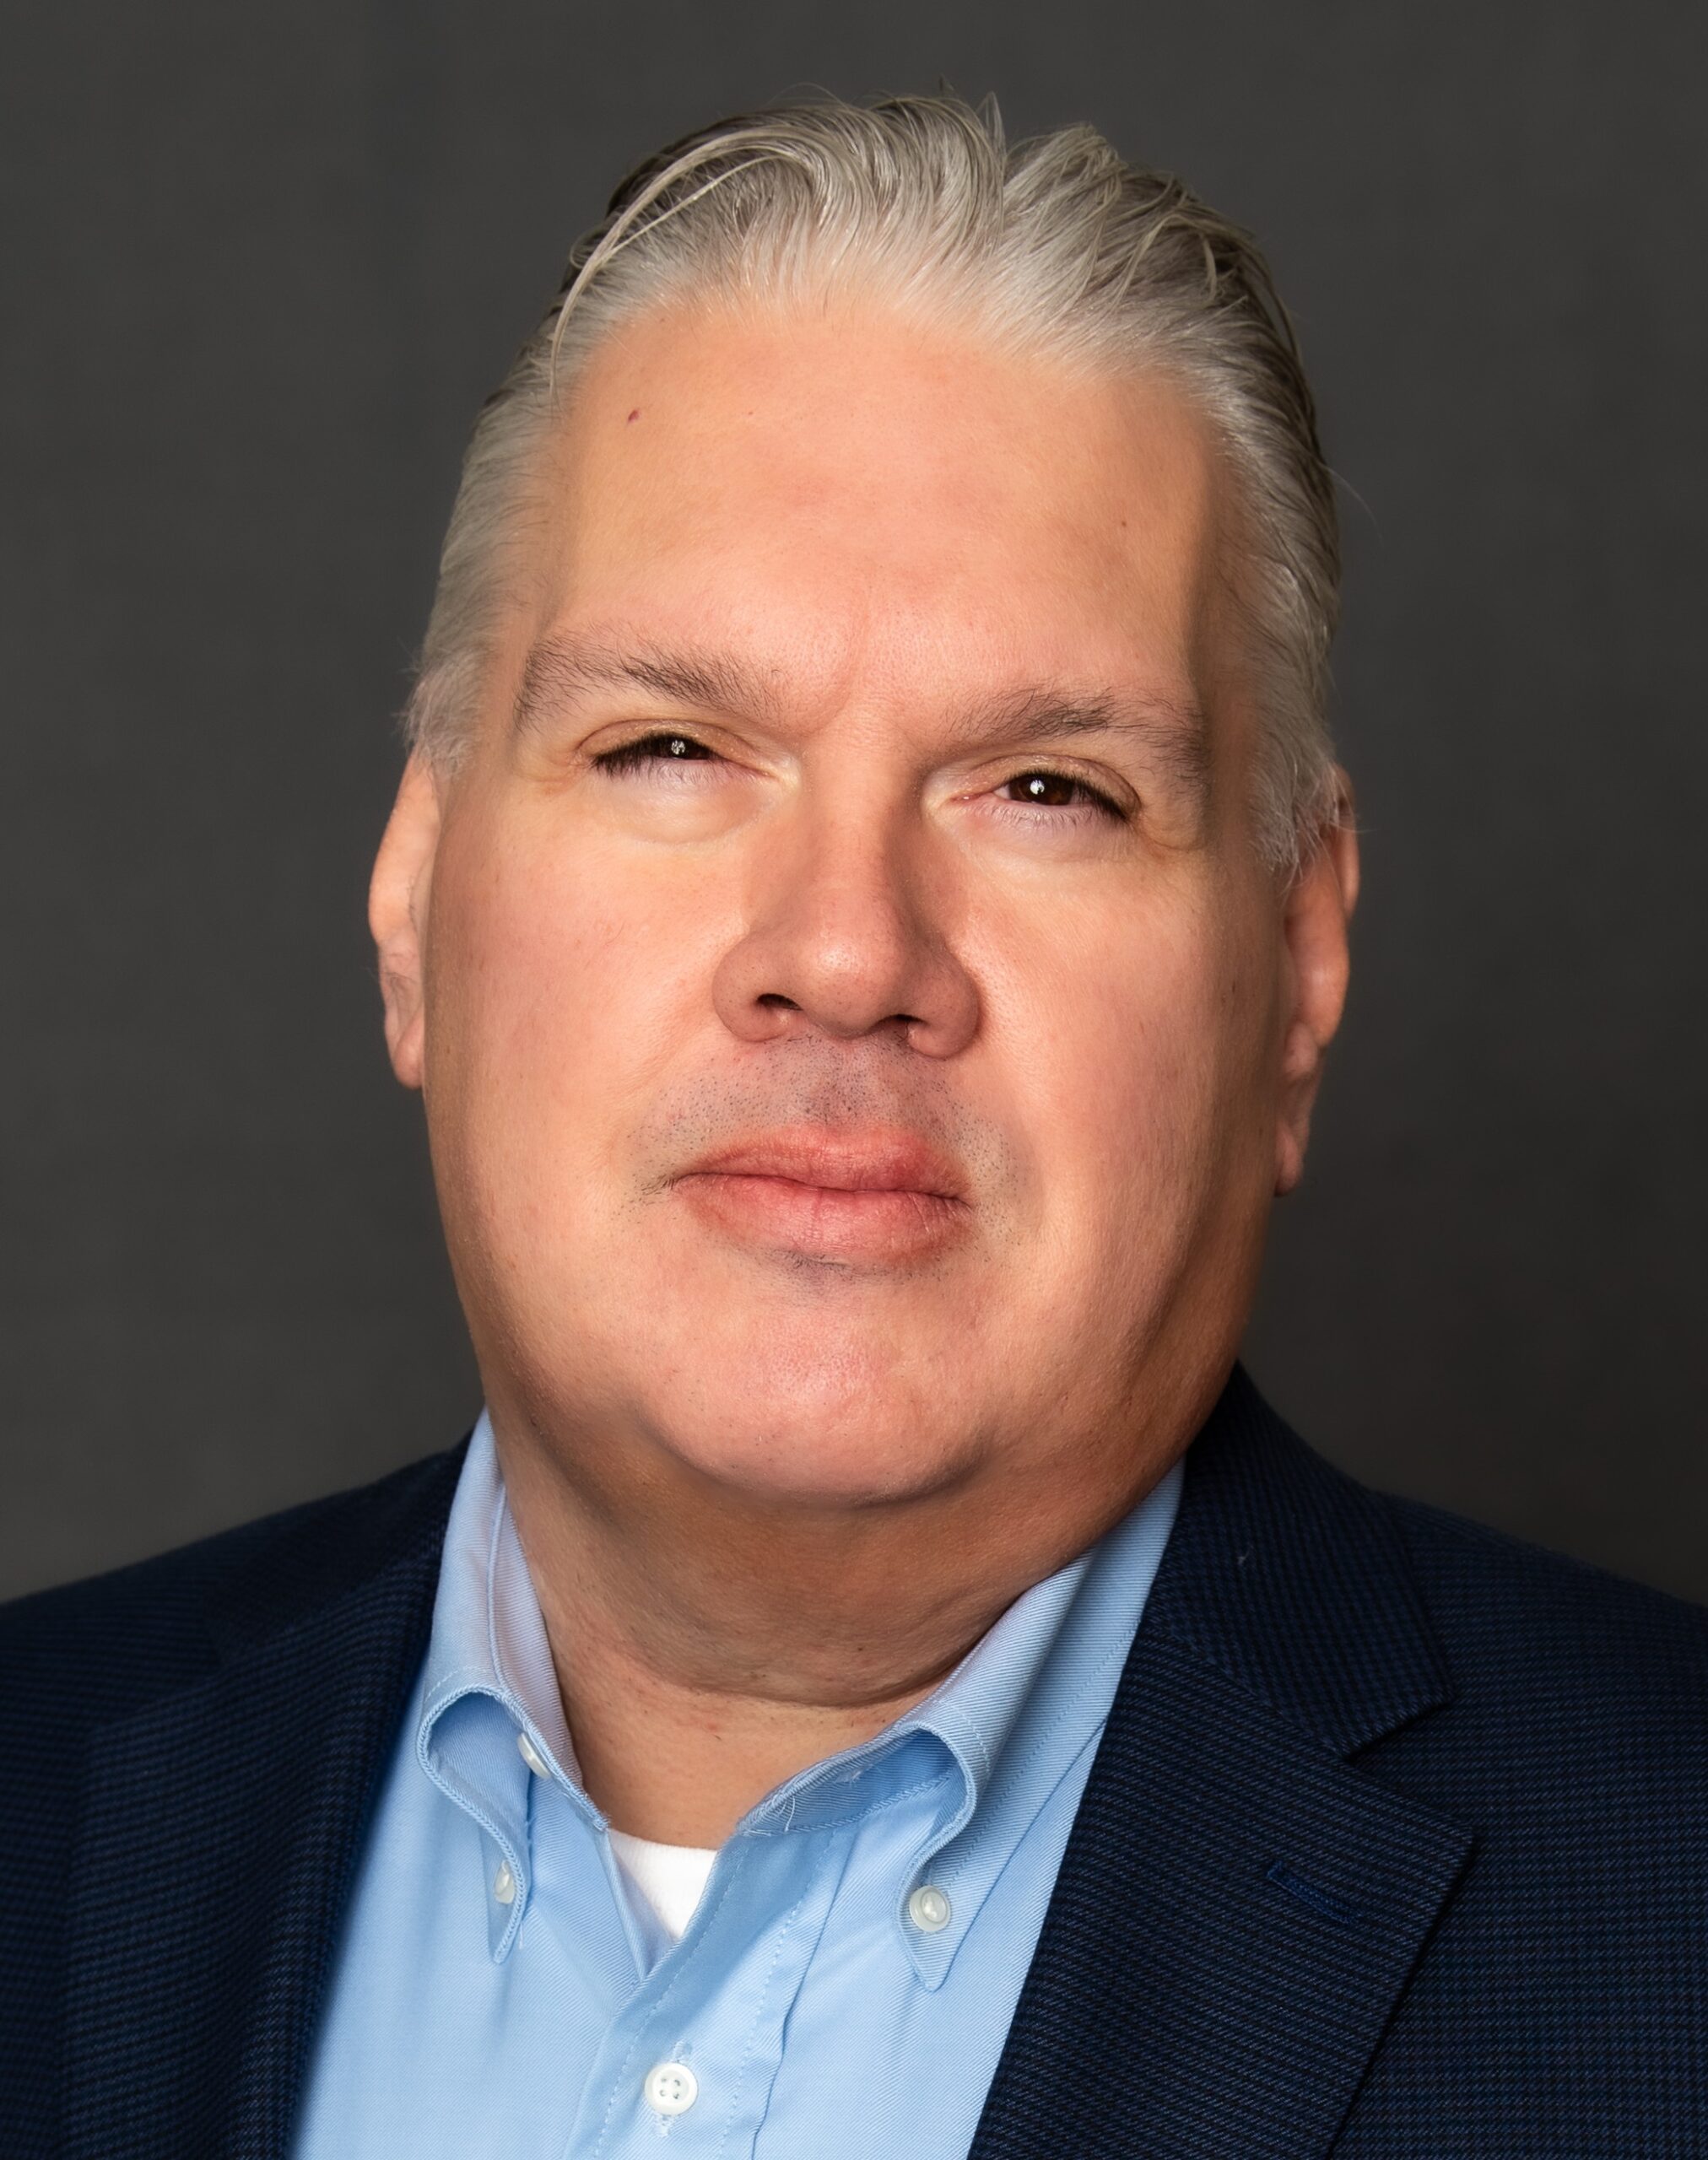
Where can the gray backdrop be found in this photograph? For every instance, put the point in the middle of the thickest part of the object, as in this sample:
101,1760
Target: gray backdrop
263,264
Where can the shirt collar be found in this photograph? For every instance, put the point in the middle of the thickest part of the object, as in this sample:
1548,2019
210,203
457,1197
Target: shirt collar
1005,1727
1015,1717
489,1680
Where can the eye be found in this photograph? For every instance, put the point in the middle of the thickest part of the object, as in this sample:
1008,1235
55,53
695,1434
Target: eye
663,747
1048,791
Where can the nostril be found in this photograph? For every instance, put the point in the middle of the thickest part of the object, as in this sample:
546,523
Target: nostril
778,1002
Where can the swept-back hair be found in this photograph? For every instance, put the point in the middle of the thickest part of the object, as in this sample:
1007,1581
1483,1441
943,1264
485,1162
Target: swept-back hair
1055,246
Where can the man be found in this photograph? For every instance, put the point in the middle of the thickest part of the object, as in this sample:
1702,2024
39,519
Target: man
866,909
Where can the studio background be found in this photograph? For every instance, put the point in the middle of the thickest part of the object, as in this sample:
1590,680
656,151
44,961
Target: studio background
262,265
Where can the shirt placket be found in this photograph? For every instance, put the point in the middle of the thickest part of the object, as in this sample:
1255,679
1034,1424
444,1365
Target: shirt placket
692,2056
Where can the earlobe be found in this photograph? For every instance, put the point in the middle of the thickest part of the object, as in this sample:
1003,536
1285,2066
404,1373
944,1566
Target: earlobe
398,913
1318,910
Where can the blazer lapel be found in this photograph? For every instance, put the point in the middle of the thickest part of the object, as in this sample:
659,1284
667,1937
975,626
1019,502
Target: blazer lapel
1238,1907
221,1830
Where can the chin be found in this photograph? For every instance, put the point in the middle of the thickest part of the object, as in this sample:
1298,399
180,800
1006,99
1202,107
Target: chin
831,1391
819,1439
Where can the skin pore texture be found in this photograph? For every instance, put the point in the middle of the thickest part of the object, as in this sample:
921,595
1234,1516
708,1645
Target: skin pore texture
861,1042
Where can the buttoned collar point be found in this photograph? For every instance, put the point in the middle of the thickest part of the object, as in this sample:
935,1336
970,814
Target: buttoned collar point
1025,1707
489,1683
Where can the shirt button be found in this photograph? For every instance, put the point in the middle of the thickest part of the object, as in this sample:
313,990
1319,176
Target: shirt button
504,1884
929,1909
671,2088
532,1756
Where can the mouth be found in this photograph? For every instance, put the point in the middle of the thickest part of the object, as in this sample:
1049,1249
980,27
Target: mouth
872,1195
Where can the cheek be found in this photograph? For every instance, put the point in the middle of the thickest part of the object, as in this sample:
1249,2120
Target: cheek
559,980
1131,1037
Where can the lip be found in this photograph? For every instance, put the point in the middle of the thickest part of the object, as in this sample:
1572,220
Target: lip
847,1158
876,1195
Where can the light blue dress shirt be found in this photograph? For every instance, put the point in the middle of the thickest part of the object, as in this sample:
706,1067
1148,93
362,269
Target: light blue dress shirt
501,1991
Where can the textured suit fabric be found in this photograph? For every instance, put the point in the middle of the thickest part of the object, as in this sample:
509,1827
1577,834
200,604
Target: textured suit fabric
1395,1843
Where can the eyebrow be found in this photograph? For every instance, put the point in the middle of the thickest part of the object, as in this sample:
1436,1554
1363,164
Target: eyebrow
561,670
1172,732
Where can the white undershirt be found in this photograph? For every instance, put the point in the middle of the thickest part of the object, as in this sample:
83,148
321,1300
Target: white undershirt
671,1878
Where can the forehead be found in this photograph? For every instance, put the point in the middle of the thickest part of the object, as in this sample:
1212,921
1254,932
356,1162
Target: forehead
851,499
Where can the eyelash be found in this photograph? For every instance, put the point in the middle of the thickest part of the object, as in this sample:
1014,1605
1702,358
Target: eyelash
633,757
1095,798
636,756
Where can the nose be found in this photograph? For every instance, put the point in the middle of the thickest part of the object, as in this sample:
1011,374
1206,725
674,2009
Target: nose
843,940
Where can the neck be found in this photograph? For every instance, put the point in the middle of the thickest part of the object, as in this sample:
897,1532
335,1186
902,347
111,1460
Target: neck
708,1651
668,1758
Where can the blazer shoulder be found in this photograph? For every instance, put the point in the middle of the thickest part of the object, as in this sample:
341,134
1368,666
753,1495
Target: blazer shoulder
102,1646
1536,1623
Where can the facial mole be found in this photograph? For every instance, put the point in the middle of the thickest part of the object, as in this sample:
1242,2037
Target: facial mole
634,416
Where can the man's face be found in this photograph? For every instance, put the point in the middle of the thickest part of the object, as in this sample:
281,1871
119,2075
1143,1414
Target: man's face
860,1040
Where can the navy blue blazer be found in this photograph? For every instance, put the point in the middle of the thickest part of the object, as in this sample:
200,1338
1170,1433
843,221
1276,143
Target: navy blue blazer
1395,1843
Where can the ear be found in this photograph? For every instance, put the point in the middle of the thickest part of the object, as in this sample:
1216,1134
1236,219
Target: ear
1318,909
398,914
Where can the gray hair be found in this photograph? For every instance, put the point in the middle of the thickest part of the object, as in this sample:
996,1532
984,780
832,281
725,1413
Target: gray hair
1056,245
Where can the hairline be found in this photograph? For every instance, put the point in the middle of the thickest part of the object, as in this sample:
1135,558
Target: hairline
1239,371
